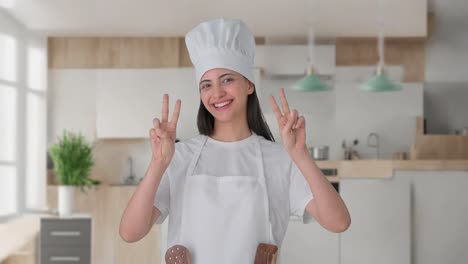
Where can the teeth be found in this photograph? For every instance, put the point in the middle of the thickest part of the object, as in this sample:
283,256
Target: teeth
222,104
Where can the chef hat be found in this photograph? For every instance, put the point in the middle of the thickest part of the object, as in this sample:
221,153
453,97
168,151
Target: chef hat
221,43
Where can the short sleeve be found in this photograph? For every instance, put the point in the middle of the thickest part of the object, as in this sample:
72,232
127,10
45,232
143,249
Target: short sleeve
299,194
162,198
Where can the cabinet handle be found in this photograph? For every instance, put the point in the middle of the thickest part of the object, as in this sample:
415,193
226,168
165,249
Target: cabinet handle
61,258
65,233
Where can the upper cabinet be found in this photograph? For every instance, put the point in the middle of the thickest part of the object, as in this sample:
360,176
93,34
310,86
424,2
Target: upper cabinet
128,100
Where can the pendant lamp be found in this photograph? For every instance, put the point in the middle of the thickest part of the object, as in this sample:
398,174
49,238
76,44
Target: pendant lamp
311,82
380,82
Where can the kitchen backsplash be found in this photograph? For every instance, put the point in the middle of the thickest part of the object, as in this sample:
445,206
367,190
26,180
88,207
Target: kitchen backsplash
111,159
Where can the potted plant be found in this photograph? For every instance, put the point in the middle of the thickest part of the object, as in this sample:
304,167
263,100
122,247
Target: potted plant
73,160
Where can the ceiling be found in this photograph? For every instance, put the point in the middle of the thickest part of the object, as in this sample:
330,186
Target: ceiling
332,18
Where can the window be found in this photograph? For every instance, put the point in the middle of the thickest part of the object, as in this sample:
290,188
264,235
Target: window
23,71
8,129
8,56
7,3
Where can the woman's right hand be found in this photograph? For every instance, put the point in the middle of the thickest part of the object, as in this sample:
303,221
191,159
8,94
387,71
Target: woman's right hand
163,134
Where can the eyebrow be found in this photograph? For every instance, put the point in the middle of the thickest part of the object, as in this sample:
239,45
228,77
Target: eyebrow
221,76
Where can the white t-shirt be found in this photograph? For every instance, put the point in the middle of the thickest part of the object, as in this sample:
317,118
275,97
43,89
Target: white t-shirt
288,191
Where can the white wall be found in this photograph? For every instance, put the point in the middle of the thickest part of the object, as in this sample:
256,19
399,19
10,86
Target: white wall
344,113
445,107
348,113
446,68
72,106
447,50
73,95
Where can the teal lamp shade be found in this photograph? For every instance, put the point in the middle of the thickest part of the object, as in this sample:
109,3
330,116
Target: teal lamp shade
311,83
380,83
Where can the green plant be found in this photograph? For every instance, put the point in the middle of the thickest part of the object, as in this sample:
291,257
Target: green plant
73,160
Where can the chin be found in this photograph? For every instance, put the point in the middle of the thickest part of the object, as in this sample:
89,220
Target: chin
222,119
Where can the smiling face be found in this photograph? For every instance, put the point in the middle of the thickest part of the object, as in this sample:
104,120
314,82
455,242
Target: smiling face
224,94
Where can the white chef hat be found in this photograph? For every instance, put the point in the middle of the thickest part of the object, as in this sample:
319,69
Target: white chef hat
221,43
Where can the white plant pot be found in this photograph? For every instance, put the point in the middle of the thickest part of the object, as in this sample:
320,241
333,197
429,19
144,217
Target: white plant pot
66,199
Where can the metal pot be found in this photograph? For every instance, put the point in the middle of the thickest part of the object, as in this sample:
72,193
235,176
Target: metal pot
400,156
319,153
464,131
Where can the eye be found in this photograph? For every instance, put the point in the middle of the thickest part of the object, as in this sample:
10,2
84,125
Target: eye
228,80
204,86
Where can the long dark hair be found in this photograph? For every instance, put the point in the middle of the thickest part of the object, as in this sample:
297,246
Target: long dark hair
255,119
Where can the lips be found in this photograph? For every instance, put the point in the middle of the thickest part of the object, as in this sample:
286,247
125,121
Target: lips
222,104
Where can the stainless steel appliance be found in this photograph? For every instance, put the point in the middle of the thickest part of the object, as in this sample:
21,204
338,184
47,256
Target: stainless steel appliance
319,152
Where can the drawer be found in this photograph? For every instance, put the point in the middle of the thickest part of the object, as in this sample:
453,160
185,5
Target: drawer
65,255
65,231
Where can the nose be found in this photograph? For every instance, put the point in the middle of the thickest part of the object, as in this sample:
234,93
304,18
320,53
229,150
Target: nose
218,91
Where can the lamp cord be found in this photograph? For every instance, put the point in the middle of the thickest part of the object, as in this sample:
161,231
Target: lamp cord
380,22
310,35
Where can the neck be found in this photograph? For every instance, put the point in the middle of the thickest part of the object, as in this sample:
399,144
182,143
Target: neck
231,131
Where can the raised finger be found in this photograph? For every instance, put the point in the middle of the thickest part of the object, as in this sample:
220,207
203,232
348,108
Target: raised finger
300,122
290,122
175,114
295,118
284,102
165,108
156,122
275,108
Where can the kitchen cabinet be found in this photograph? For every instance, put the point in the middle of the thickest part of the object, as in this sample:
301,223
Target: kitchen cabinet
439,215
118,251
65,240
105,204
380,221
129,99
309,243
72,102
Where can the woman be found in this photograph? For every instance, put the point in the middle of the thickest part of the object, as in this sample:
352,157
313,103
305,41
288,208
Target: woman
230,188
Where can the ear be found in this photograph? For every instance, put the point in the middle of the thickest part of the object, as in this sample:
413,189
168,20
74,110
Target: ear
251,88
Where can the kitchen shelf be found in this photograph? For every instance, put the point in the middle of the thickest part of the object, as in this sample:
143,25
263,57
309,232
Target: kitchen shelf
444,147
333,178
386,168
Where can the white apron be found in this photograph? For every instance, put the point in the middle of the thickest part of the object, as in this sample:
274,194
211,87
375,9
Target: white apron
224,218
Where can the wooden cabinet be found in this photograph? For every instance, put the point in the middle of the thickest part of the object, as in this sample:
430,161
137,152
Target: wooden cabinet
380,221
106,205
146,250
65,240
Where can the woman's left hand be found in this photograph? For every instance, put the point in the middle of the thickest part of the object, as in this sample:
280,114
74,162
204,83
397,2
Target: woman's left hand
291,126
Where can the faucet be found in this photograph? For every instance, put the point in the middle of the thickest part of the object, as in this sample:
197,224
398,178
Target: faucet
374,137
349,152
130,160
130,179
